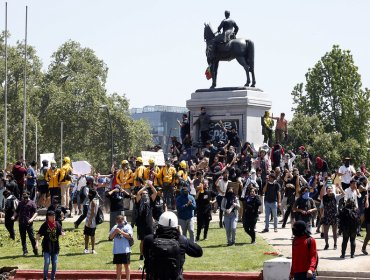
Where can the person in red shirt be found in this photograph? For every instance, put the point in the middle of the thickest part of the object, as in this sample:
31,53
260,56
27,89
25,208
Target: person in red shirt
304,253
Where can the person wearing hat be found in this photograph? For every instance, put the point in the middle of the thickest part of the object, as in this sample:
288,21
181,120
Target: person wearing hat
304,253
50,230
125,178
346,171
52,176
170,265
26,213
65,181
168,173
153,173
139,172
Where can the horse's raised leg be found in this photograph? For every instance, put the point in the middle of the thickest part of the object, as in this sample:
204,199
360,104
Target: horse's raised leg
243,63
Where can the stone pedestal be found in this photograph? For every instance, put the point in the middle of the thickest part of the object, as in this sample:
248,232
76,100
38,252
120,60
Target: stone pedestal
241,107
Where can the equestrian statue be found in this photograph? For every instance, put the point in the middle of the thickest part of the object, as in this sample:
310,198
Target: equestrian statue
225,47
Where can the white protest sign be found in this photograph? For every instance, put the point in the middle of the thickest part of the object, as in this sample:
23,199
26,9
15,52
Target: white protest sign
81,167
49,157
157,156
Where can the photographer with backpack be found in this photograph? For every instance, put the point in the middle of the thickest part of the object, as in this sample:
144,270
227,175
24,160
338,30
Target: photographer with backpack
165,250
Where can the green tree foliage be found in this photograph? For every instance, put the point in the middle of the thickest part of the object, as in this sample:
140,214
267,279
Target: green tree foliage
72,90
309,131
333,93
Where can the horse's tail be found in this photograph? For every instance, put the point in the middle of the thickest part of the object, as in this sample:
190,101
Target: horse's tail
250,54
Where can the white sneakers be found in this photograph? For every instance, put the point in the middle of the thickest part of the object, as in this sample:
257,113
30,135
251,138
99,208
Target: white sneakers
86,251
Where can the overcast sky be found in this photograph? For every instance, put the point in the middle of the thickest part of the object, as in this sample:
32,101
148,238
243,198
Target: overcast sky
155,49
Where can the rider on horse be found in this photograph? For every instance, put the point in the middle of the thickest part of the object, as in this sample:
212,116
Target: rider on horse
229,31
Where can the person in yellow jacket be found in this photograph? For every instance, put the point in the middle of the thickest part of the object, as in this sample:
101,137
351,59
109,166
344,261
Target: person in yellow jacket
183,174
125,178
153,173
168,173
139,172
52,176
65,181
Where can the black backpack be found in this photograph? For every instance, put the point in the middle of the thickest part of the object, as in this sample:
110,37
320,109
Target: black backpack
164,260
82,194
99,218
349,219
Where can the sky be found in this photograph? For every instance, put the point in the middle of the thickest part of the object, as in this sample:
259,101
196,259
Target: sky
155,50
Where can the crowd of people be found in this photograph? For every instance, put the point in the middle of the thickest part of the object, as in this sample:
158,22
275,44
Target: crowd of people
231,178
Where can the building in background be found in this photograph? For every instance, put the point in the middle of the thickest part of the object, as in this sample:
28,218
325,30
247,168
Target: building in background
162,120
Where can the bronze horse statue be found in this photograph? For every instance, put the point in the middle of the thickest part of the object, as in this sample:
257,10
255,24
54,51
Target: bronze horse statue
240,49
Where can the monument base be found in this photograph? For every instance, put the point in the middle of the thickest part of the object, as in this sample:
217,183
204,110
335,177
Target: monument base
241,107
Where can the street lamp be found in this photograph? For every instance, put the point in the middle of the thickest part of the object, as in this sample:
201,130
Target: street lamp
111,130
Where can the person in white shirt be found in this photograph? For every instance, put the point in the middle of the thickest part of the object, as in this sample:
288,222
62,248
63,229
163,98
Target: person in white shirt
287,162
221,185
346,171
352,192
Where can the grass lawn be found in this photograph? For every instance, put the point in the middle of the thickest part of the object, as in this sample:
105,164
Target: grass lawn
216,255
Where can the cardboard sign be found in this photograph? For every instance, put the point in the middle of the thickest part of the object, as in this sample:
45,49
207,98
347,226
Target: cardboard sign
158,157
236,186
49,157
81,167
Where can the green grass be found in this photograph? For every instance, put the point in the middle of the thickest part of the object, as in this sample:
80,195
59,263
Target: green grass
216,255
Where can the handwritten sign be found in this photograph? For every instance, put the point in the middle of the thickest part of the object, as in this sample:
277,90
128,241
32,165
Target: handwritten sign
158,157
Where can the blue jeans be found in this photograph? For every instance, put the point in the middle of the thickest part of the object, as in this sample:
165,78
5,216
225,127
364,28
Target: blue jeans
270,207
303,276
230,227
54,261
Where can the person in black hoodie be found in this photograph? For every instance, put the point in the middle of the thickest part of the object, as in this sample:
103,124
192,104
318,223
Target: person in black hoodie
348,223
204,200
170,264
11,203
251,203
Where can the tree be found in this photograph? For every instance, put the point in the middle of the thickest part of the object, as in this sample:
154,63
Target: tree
333,93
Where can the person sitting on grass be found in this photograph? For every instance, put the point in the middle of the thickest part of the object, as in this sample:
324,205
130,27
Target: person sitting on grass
121,233
50,230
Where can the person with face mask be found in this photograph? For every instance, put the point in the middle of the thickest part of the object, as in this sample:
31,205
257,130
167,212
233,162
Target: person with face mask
185,204
272,201
304,253
144,218
251,204
304,207
329,213
230,206
26,213
346,171
52,176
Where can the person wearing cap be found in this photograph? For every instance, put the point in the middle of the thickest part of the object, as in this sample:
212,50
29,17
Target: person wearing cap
346,171
272,201
168,177
42,184
304,253
31,180
153,173
125,178
65,181
139,172
168,228
85,194
50,230
26,213
52,176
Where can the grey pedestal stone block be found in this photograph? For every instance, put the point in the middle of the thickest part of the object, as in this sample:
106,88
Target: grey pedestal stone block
242,107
